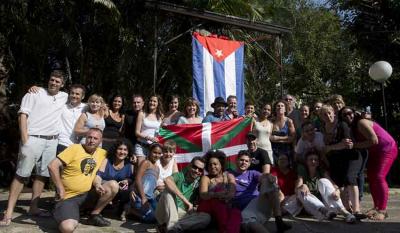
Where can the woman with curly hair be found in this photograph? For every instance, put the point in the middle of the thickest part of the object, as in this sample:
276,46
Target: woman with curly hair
217,188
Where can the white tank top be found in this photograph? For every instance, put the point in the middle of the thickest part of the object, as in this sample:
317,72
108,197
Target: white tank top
149,128
164,172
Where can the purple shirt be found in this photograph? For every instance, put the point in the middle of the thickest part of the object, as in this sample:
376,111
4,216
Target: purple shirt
246,187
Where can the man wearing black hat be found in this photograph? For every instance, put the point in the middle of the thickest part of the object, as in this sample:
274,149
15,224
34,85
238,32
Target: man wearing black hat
219,106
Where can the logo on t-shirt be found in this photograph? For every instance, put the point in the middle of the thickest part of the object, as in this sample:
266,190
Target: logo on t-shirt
87,166
255,161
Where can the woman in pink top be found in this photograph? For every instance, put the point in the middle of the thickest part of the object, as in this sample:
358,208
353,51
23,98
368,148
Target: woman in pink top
382,153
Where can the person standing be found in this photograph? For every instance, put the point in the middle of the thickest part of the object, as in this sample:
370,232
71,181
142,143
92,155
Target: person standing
129,127
218,115
39,118
71,112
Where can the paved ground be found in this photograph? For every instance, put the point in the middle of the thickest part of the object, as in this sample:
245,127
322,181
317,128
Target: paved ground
23,223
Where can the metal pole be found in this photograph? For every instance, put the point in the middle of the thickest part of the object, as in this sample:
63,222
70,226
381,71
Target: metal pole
155,55
384,105
281,63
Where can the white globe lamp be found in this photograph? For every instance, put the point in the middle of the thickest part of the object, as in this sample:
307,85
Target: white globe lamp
380,71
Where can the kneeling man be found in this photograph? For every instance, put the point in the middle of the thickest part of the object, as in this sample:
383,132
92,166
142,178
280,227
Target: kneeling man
73,172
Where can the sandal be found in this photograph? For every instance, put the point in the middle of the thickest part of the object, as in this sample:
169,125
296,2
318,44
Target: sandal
5,222
370,212
379,215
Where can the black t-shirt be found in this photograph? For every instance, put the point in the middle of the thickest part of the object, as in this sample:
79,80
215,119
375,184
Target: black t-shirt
258,159
130,126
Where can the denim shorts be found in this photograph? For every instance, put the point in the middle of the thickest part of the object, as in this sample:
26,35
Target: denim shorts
37,152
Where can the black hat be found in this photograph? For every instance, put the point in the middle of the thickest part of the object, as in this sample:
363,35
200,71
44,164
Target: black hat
251,135
219,100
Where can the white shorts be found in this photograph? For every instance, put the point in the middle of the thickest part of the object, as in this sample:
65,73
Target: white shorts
36,152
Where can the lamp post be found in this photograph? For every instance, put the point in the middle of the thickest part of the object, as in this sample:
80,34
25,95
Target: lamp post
380,72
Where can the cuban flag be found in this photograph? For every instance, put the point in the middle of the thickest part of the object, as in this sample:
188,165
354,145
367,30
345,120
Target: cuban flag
217,71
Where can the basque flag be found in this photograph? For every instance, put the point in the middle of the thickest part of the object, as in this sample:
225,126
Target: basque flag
196,139
217,71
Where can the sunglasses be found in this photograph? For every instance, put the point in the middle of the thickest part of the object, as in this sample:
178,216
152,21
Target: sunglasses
348,113
194,167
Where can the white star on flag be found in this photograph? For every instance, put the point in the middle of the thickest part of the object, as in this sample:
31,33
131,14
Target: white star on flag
218,53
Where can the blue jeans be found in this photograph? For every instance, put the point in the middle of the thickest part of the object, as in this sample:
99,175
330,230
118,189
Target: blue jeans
149,183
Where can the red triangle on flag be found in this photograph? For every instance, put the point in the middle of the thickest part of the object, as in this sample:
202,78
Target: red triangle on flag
217,47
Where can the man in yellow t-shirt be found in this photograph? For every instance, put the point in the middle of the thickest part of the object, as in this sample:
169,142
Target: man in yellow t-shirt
79,165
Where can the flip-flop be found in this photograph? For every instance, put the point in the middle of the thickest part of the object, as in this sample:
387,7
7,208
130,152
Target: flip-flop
371,212
5,222
41,214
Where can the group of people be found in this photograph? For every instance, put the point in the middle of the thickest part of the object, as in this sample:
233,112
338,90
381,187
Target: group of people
311,158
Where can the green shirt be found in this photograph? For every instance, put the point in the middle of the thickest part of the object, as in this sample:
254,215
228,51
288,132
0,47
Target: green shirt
311,182
189,190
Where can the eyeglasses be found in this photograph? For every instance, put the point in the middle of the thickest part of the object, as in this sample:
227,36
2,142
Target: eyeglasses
194,167
288,99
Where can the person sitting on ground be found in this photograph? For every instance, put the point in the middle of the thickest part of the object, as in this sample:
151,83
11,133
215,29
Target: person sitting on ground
143,201
256,208
175,210
261,163
317,193
73,172
286,182
217,188
117,169
166,164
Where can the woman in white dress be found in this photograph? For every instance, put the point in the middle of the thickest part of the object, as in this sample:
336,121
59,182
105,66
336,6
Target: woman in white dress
263,128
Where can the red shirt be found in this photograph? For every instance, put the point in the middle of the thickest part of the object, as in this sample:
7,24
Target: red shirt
286,182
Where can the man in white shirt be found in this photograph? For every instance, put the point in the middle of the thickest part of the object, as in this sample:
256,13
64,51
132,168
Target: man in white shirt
39,118
71,112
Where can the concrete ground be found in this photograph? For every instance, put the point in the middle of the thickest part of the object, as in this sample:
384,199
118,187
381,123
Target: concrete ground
23,223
